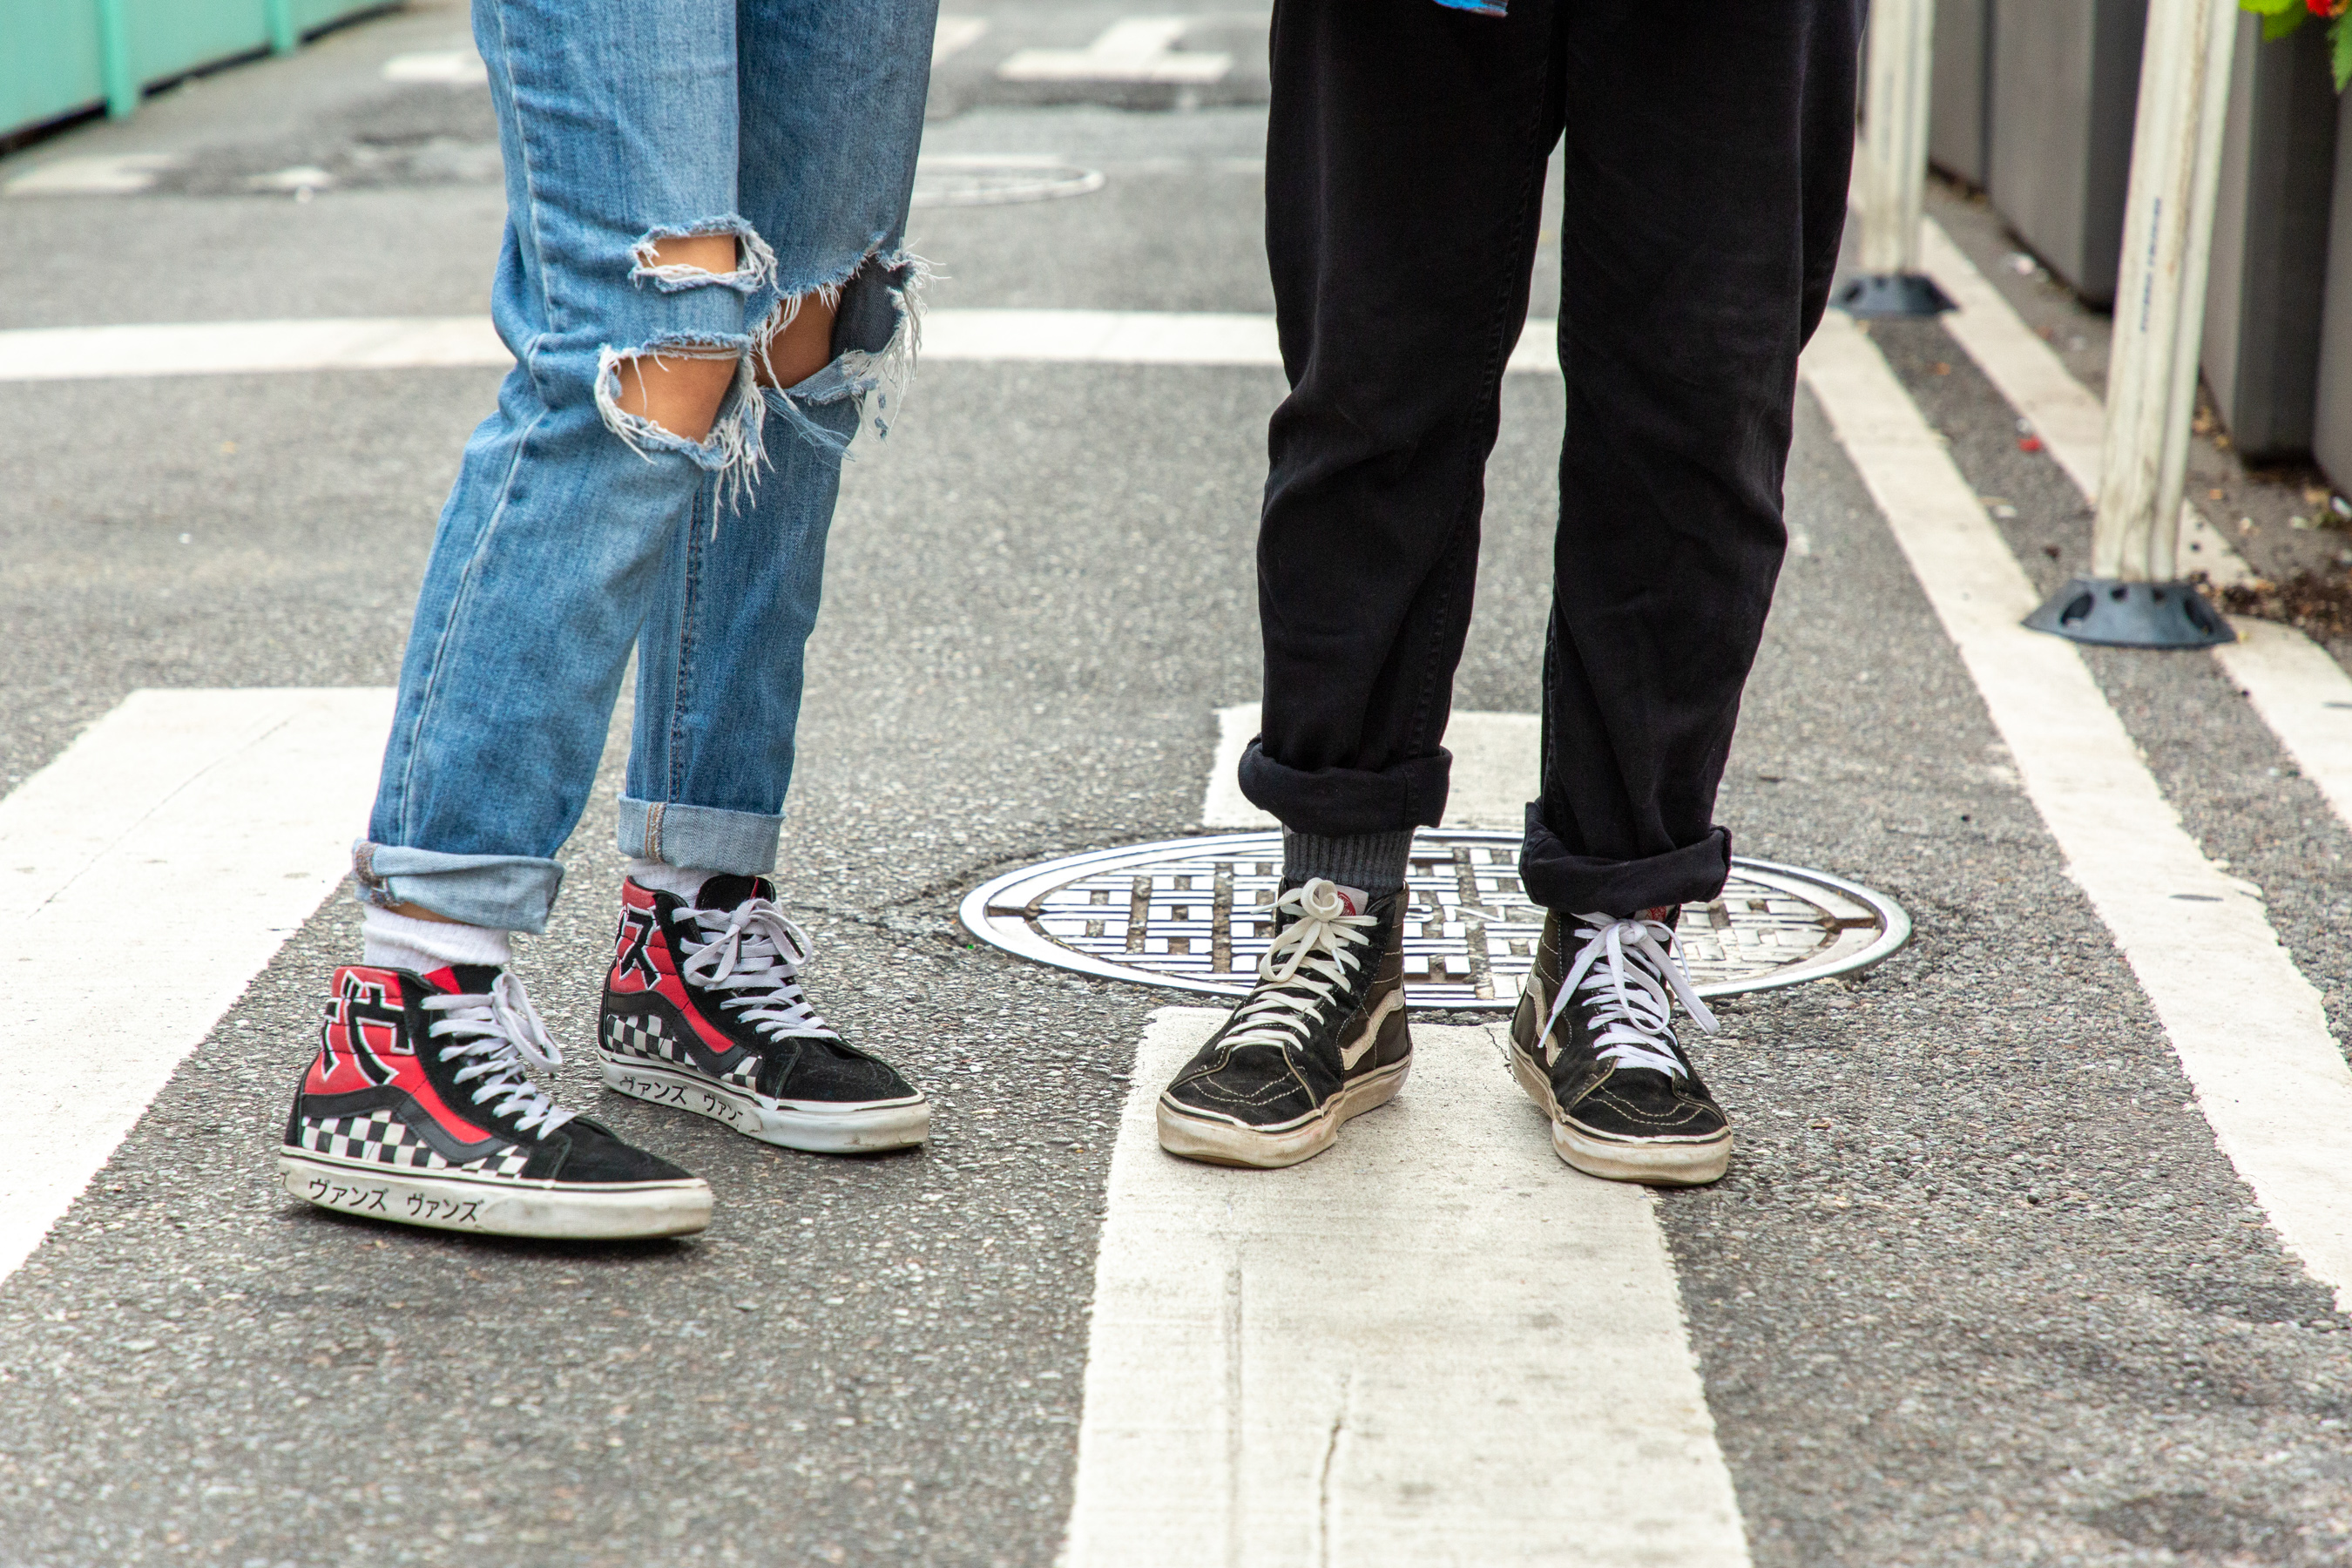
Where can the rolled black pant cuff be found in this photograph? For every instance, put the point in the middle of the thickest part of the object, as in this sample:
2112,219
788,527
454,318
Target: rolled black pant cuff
1588,885
1338,803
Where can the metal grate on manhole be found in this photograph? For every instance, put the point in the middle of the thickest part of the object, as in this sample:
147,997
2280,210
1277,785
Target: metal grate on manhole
1192,914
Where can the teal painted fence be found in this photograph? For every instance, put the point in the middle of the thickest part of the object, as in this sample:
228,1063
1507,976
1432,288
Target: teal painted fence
60,57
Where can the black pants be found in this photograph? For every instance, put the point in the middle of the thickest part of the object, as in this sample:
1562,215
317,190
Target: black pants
1707,153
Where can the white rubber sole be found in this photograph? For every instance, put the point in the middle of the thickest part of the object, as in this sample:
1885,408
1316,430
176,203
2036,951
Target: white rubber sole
1191,1137
1652,1163
498,1206
811,1126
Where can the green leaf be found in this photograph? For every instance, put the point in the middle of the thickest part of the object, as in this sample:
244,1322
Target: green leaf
2273,7
2342,38
2279,24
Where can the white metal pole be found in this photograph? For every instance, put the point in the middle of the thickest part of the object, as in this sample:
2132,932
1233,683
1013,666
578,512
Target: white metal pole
1895,138
2160,298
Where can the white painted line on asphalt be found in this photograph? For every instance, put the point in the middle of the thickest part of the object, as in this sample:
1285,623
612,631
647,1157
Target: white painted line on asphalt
414,343
447,67
93,175
1102,337
2296,686
1435,1344
1137,49
2247,1026
1223,804
230,348
956,34
2305,697
187,835
2067,416
1498,768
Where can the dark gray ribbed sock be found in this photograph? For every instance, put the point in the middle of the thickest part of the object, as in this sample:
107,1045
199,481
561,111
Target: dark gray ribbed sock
1374,862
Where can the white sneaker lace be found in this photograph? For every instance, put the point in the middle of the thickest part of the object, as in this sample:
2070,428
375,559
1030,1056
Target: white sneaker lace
754,950
1630,1007
504,1037
1313,957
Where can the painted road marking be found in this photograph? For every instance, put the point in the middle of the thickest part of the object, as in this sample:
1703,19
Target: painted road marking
236,348
1435,1344
235,807
93,175
2305,697
2247,1026
955,35
1497,766
419,343
2069,418
1139,48
446,67
2297,687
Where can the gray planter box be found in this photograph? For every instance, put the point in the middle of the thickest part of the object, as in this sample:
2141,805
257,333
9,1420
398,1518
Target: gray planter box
1958,130
2065,83
2331,436
2270,241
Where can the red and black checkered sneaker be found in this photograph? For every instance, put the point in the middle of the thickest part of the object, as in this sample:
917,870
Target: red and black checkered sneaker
704,1011
421,1109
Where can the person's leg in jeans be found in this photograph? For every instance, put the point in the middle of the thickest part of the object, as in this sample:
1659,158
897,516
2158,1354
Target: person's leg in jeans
1706,173
1404,177
634,294
704,1007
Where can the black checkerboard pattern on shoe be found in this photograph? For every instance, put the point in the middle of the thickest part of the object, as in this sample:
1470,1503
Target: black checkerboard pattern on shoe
381,1137
645,1036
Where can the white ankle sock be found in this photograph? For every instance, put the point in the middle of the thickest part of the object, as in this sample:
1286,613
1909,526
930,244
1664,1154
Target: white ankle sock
666,879
422,946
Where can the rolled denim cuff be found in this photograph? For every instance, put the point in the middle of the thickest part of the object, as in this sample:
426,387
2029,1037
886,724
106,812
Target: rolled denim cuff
505,892
701,838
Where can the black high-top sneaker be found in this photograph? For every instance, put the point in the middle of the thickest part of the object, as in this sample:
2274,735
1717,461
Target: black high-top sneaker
704,1010
1320,1038
420,1107
1595,1050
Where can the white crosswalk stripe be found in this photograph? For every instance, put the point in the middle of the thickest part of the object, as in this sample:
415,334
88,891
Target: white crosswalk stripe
146,875
1135,48
426,342
955,35
1435,1344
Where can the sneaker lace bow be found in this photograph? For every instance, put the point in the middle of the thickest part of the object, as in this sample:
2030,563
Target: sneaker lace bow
504,1037
755,952
1310,961
1631,972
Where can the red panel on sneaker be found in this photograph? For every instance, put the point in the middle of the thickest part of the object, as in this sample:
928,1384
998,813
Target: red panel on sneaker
366,1053
644,960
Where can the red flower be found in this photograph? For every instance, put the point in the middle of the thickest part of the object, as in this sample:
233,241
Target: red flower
2327,7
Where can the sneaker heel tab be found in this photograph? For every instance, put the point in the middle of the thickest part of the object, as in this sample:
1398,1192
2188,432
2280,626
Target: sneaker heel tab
725,890
465,979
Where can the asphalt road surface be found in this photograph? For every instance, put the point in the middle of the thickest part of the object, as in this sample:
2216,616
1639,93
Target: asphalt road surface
1980,1286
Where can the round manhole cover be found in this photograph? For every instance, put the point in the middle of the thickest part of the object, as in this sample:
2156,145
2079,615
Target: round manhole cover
1192,914
950,182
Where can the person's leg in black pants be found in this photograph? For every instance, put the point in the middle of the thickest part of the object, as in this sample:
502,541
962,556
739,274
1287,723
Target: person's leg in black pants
1404,185
1706,158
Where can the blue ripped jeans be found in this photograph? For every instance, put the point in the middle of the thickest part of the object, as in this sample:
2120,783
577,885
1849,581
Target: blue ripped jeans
575,529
